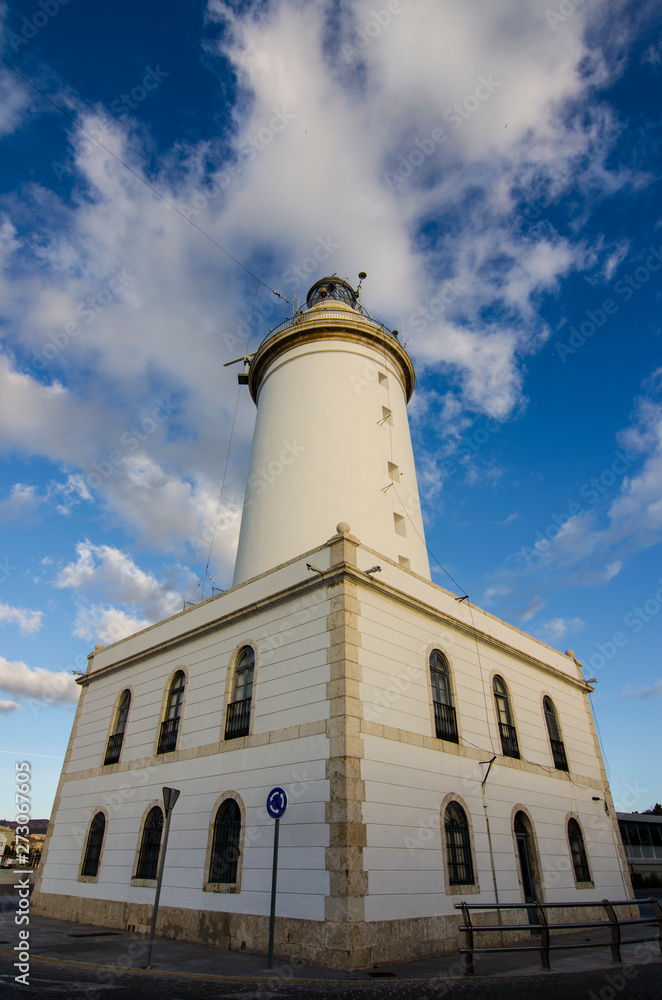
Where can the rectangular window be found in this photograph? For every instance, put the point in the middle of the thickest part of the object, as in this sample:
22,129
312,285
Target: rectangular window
382,378
394,472
387,416
400,525
404,562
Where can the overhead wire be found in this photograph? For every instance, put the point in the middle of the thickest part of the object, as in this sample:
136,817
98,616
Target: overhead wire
227,461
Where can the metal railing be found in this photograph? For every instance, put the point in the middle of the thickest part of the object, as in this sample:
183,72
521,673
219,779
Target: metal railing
238,719
114,748
558,754
509,743
306,315
168,735
445,722
543,928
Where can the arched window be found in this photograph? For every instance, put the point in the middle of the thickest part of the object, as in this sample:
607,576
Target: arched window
458,845
578,852
526,855
556,743
507,732
238,719
116,738
225,843
445,719
93,847
170,725
150,846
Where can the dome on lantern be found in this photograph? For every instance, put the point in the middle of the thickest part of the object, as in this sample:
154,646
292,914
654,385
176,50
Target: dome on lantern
331,289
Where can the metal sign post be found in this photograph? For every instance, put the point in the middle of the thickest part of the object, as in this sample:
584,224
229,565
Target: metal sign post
276,806
170,796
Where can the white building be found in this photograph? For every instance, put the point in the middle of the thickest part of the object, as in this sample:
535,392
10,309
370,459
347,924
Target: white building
642,841
430,752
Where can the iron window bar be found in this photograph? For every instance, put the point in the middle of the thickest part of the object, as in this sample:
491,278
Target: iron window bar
509,743
238,719
225,849
458,846
168,735
150,848
558,755
93,849
543,927
445,721
114,748
578,852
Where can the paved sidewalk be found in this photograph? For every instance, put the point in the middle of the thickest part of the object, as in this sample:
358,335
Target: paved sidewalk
64,941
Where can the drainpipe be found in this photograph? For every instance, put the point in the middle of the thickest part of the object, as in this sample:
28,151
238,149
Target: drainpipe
489,837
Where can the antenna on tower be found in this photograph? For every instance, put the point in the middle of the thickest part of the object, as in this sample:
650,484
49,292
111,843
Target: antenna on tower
242,377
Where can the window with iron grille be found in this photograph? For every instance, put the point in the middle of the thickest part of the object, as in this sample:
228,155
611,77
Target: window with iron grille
115,740
507,731
458,846
150,846
555,741
170,724
93,847
238,718
578,852
445,719
225,843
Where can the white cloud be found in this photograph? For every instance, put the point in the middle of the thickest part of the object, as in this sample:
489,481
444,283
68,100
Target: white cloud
22,501
115,260
69,494
531,609
501,590
592,547
653,54
109,573
18,678
616,257
25,500
9,706
28,621
654,691
508,520
104,623
14,95
553,631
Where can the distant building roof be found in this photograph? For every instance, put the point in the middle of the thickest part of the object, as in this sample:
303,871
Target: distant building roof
637,818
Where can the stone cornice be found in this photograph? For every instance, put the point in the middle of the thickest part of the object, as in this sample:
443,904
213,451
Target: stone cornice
337,574
350,326
189,635
467,629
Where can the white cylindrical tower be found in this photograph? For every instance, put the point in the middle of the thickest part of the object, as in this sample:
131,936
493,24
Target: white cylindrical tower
331,440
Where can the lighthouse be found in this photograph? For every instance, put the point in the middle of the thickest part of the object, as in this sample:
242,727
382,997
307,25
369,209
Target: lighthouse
331,440
429,752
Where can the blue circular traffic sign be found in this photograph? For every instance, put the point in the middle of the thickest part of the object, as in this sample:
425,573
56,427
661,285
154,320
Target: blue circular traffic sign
276,803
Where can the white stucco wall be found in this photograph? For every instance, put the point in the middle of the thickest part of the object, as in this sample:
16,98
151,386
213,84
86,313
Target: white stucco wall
407,783
290,638
296,765
320,455
408,773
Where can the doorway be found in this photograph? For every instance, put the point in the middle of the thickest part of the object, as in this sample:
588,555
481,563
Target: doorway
527,865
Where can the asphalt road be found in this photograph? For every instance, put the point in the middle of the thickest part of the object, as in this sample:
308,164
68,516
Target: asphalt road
55,979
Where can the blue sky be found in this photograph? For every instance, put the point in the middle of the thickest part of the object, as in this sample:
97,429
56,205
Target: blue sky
493,166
